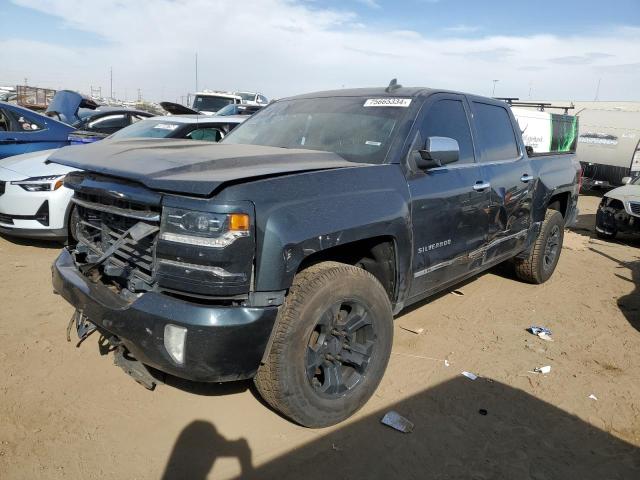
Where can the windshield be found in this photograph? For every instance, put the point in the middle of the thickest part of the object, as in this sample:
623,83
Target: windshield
636,181
342,125
210,104
228,110
147,129
246,96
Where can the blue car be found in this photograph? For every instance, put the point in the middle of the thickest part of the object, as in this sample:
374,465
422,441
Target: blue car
23,130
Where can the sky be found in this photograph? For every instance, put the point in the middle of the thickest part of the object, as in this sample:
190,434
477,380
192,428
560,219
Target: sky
536,49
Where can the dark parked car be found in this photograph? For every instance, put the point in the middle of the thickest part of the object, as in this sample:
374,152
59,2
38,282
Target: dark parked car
94,125
283,252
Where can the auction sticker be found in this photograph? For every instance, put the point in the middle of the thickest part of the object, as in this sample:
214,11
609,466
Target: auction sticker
387,102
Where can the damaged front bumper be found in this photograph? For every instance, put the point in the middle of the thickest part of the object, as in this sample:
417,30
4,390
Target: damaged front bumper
222,343
612,218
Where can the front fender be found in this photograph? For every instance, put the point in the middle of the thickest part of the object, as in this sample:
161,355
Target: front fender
307,213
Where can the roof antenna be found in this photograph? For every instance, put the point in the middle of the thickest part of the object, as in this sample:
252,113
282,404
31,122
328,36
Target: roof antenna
393,85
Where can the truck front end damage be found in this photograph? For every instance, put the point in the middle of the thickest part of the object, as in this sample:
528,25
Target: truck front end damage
166,281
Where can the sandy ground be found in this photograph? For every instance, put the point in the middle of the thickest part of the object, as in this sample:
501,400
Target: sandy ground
68,412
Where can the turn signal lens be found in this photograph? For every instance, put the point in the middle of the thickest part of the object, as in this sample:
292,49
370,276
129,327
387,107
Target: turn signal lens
238,222
58,184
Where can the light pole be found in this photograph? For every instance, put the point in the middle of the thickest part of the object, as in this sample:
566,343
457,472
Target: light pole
493,93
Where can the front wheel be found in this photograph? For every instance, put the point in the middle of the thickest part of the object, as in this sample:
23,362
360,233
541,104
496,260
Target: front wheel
331,345
543,258
74,220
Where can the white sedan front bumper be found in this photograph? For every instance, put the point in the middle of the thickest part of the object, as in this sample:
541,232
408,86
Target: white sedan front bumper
32,214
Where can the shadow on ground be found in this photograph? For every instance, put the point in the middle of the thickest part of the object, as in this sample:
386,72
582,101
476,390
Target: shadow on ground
519,437
197,448
31,242
629,304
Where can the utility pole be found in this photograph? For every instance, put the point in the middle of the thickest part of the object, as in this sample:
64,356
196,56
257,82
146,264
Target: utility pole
111,82
139,95
196,71
597,90
493,93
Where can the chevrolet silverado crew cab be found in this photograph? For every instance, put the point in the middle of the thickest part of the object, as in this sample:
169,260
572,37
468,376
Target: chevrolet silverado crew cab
283,253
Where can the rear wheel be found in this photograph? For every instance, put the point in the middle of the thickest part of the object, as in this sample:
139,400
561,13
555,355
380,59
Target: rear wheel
331,345
543,258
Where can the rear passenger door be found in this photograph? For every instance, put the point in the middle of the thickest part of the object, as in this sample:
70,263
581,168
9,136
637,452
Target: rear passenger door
508,170
449,203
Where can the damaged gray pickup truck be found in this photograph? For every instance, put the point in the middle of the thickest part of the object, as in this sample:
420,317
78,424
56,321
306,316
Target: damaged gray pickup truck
283,253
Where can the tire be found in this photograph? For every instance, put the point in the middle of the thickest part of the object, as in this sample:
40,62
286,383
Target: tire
325,361
74,218
542,260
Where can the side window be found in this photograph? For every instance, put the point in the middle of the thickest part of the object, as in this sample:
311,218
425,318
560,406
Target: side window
5,122
447,118
206,134
109,124
16,122
262,99
496,139
136,118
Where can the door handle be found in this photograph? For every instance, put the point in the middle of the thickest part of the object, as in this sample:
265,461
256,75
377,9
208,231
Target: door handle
526,178
8,140
480,186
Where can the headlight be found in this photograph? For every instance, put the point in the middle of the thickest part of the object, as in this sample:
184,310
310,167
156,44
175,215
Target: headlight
203,229
41,184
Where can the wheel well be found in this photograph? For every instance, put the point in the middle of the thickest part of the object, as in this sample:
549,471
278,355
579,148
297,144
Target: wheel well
375,255
559,202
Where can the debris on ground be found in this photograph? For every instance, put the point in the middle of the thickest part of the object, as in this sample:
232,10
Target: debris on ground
446,362
417,331
592,397
458,293
482,411
396,421
470,375
543,332
545,369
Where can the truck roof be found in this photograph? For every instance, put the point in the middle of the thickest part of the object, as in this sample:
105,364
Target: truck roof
374,92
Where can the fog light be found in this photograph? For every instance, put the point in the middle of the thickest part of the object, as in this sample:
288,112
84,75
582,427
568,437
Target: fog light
174,340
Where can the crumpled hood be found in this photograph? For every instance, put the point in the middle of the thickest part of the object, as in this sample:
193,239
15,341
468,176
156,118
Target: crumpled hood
34,164
189,166
625,193
66,104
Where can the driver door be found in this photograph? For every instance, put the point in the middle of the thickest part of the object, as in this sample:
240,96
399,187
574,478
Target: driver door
449,204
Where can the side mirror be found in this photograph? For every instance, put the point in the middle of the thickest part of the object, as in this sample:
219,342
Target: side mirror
438,151
626,180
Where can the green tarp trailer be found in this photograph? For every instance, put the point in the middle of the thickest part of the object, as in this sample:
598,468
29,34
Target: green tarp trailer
547,132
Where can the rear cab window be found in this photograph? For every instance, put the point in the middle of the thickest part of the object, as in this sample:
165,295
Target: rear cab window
496,139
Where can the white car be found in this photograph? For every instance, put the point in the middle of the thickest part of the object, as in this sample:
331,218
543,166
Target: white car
253,98
33,201
619,210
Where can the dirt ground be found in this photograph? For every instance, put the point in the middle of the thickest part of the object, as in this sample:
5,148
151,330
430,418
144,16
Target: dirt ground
68,412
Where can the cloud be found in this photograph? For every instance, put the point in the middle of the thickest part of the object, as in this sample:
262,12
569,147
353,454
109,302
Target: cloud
625,68
285,47
490,55
462,28
369,3
585,59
